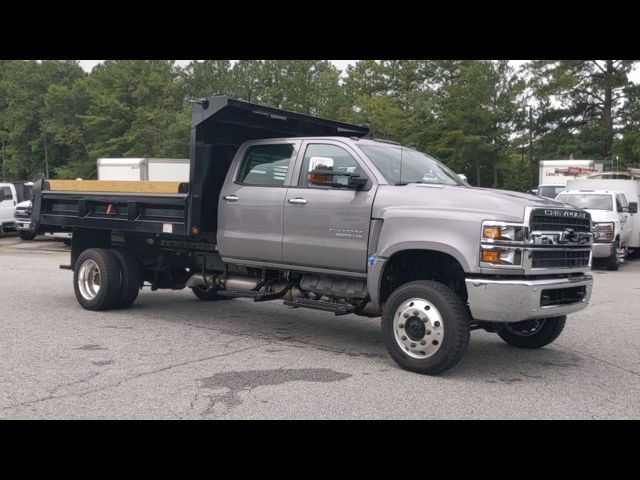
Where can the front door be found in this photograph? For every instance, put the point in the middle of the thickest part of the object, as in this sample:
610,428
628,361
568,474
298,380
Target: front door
7,204
328,227
250,212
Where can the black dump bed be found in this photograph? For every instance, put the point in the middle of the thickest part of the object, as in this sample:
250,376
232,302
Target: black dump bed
219,126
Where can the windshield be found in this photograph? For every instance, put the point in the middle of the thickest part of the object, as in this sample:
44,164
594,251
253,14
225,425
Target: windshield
593,202
401,165
550,191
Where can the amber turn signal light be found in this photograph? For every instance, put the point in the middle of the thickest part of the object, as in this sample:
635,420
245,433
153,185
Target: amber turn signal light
491,256
491,232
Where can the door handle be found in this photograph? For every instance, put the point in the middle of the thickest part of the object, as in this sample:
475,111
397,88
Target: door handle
298,201
231,198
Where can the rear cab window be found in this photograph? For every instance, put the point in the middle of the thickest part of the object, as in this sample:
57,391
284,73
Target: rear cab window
265,165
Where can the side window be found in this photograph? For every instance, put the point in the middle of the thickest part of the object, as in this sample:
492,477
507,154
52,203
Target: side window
265,165
5,194
618,203
343,161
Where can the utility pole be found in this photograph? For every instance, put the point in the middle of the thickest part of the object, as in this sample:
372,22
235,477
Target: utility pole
4,176
46,157
530,148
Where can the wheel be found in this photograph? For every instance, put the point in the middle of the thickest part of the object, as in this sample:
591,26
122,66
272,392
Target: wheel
131,277
533,333
425,327
612,261
210,295
27,236
96,279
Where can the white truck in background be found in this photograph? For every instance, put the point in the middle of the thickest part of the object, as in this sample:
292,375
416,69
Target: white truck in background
136,169
629,188
554,174
11,194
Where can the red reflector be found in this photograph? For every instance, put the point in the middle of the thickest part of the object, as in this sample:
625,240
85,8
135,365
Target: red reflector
110,209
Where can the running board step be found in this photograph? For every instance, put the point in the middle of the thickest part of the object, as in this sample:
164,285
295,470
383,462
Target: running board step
257,296
336,308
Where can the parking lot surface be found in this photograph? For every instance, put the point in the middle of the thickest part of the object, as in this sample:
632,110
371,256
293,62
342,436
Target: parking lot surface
172,356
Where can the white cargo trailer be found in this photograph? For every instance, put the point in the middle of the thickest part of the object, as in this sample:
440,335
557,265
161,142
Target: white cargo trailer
153,169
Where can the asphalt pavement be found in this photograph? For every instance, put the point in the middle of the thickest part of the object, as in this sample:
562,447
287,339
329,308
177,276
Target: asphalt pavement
172,356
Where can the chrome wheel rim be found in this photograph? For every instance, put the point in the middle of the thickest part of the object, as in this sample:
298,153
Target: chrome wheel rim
418,328
526,328
89,280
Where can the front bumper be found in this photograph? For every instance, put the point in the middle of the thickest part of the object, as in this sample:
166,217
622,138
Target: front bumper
517,300
23,225
602,250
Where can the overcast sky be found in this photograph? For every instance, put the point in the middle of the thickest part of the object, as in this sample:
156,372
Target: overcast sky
341,64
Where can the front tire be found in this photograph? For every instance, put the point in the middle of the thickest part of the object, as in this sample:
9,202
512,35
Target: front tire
425,327
96,279
533,333
613,263
27,236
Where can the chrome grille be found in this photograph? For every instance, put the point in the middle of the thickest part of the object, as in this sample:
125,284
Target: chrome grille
20,213
554,220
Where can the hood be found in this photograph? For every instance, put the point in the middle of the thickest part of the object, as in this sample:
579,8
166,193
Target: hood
603,216
488,203
26,205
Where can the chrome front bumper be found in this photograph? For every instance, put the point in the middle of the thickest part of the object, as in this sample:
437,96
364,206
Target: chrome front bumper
23,225
517,300
602,250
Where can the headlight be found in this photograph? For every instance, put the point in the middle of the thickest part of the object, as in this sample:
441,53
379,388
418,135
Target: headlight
506,256
492,231
603,232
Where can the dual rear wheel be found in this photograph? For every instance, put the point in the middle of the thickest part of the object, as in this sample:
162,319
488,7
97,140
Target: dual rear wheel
107,279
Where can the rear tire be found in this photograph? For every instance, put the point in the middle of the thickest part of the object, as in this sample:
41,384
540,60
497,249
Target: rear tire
425,327
27,236
530,335
96,279
131,277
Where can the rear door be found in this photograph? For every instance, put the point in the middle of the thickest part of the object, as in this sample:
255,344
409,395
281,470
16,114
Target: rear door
327,227
250,212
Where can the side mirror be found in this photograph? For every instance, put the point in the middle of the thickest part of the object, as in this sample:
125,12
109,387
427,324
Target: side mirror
633,207
463,177
321,173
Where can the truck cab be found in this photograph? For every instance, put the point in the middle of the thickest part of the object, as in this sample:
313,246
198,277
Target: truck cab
611,216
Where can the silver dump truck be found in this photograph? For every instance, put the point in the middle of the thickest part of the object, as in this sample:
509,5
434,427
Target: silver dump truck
287,207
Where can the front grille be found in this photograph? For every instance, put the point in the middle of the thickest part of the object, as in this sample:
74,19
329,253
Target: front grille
22,214
542,221
562,296
560,258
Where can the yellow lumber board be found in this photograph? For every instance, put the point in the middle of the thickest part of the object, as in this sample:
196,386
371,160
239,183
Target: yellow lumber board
128,186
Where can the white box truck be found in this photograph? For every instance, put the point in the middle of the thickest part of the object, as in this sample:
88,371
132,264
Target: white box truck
554,174
153,169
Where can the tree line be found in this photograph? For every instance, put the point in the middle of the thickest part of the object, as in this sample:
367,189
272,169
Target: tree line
484,118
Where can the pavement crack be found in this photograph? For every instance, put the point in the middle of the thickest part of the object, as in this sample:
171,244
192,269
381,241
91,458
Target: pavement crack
611,364
51,395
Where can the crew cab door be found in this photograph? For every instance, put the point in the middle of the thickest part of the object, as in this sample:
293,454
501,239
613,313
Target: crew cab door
328,227
7,203
250,211
626,226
